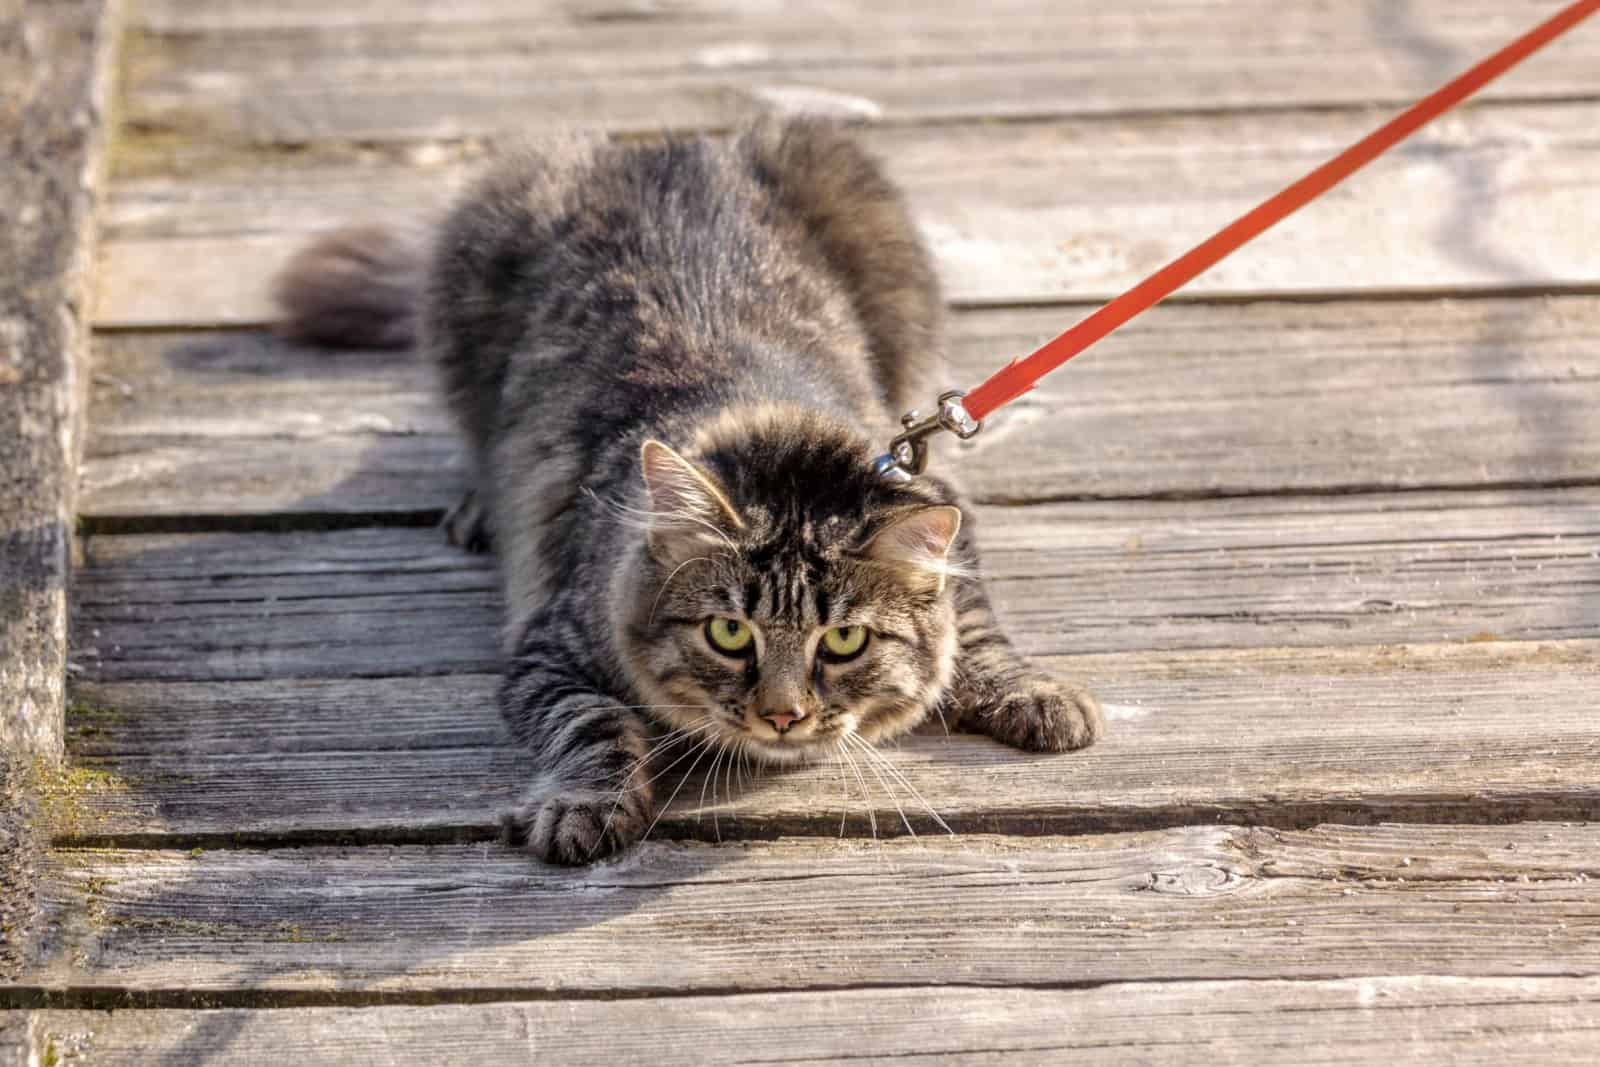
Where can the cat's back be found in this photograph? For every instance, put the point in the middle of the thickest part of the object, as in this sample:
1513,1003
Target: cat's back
628,254
774,266
781,256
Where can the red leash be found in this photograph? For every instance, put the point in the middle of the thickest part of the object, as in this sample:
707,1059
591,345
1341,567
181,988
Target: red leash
962,415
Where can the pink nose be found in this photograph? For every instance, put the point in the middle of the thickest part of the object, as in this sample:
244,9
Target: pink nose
783,718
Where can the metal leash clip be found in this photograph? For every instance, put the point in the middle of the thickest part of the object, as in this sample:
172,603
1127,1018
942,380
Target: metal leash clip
908,452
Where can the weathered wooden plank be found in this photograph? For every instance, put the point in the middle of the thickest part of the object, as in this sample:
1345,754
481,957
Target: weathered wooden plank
240,73
54,63
295,926
242,605
54,74
21,841
16,1039
197,482
1284,736
1543,1021
1189,401
1071,578
1014,212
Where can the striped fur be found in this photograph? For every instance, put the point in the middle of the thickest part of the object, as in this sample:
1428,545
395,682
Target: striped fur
671,363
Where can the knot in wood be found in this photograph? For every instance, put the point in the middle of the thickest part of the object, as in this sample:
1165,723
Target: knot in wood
1199,880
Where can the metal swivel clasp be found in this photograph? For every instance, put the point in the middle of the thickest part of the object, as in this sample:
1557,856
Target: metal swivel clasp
908,452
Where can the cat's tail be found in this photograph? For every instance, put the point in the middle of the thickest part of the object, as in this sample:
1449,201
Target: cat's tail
358,287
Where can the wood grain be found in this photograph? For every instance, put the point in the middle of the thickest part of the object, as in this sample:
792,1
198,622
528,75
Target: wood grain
332,926
1070,210
54,73
299,73
1189,401
16,1039
1068,578
54,66
1281,736
1534,1021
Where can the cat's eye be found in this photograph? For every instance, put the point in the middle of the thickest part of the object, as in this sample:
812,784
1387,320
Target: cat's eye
729,636
844,642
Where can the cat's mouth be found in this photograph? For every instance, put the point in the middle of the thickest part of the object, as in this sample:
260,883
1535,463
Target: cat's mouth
786,752
790,747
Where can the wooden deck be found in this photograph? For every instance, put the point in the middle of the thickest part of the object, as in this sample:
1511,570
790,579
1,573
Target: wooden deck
1324,533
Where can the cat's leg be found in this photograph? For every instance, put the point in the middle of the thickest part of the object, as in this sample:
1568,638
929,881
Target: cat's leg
996,691
467,524
590,796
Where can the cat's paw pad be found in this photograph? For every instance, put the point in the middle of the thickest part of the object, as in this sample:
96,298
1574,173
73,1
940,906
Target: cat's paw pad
467,524
1044,715
573,829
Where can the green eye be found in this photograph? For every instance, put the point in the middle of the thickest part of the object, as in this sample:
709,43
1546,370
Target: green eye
729,636
844,642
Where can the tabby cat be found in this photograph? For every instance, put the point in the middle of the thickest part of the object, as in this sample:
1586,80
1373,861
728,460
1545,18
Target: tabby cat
672,363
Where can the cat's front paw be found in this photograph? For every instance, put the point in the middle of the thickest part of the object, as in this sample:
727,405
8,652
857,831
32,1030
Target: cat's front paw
574,829
1043,715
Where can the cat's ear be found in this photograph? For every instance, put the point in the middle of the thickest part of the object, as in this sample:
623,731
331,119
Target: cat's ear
918,544
688,512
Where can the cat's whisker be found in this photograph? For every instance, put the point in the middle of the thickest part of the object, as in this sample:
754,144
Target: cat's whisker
727,775
899,776
678,733
711,780
630,707
872,765
844,785
704,747
660,747
685,730
693,723
746,772
736,753
699,734
866,794
700,726
695,728
727,789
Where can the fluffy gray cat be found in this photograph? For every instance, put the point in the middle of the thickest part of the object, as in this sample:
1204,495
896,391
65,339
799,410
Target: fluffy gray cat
674,364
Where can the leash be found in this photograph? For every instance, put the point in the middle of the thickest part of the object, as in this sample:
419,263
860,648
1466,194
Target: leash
963,413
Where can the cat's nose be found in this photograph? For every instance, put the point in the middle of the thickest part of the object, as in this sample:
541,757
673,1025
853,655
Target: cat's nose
783,718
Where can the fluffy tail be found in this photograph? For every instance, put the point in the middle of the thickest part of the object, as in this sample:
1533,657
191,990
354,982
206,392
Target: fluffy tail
358,287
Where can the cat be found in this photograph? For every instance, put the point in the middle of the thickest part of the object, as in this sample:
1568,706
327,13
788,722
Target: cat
671,362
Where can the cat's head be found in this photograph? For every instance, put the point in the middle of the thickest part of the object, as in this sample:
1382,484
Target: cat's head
784,594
